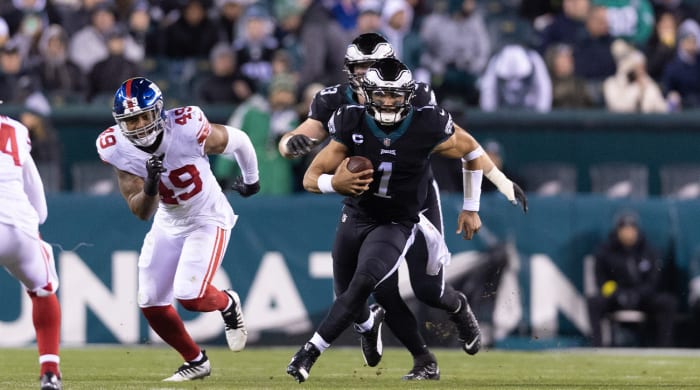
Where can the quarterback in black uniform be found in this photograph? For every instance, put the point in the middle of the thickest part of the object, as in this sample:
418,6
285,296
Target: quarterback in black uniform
382,213
429,288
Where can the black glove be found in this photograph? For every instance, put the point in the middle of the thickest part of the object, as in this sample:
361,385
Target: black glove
300,145
154,167
245,190
520,197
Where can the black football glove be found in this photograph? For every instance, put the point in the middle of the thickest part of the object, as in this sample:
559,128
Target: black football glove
154,167
300,145
520,197
245,190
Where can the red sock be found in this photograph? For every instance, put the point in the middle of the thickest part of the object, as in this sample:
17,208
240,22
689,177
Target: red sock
213,299
46,315
165,321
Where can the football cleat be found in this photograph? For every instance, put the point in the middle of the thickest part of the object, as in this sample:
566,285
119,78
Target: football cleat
50,381
467,327
236,332
301,362
191,370
427,371
371,340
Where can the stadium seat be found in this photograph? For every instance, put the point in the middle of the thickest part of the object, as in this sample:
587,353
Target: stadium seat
620,179
549,178
680,181
93,177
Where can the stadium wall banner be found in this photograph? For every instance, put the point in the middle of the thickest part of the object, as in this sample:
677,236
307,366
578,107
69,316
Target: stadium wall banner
279,261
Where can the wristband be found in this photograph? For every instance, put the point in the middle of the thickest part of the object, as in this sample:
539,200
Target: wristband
471,181
325,184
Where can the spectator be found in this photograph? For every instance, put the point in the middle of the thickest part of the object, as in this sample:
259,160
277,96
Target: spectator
661,48
256,46
193,34
369,19
224,83
229,15
632,20
18,79
397,17
456,49
35,115
567,25
89,46
140,27
631,89
516,78
61,79
596,43
568,90
106,76
682,75
627,271
323,43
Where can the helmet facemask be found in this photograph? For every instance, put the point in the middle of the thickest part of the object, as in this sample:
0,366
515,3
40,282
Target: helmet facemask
145,135
388,89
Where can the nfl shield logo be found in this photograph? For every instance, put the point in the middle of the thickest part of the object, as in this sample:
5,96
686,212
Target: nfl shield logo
387,142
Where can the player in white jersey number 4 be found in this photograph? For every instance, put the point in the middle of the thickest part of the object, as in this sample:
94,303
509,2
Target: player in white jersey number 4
22,252
160,158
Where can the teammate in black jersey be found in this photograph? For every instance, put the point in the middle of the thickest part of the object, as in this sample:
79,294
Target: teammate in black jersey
382,214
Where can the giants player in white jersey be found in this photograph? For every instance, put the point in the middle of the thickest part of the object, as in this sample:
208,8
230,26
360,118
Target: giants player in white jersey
22,252
160,158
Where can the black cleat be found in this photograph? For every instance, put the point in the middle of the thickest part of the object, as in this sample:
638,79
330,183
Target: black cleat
371,341
50,381
467,327
302,361
427,371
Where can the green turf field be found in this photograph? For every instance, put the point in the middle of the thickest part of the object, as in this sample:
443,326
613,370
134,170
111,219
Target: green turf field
143,367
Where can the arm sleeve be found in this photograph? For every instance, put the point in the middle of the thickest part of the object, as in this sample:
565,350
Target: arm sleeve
34,189
241,148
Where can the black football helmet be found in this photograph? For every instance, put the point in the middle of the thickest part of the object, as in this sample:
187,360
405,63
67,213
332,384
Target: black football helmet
364,50
388,88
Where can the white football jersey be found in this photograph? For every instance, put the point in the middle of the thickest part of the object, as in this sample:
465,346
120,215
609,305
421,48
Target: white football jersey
189,193
15,145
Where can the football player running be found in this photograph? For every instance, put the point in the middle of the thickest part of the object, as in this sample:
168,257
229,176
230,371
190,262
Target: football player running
22,252
160,159
382,214
429,286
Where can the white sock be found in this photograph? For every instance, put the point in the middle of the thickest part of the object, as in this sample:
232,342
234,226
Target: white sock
367,325
319,342
198,358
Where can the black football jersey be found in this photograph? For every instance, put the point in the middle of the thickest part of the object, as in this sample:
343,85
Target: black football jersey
329,99
400,158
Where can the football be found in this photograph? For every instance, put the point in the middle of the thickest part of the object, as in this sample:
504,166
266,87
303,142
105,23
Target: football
359,164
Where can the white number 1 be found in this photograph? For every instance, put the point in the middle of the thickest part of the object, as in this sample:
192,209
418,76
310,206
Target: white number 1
386,168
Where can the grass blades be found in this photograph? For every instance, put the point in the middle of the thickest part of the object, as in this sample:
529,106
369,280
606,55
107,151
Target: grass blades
143,368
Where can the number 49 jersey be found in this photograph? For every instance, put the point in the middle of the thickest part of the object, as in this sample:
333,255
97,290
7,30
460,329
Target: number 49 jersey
189,193
400,157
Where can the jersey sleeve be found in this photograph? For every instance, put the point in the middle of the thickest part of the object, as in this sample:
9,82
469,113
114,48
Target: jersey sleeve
324,104
192,126
439,122
343,121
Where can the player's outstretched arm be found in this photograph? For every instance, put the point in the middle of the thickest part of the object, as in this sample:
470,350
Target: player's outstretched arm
235,143
301,140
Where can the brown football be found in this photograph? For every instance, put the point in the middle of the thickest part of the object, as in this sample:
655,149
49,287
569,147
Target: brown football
359,164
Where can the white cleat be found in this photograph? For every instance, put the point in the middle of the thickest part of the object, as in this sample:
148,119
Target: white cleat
236,332
191,370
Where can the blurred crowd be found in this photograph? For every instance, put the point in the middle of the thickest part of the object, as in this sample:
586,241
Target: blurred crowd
268,57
